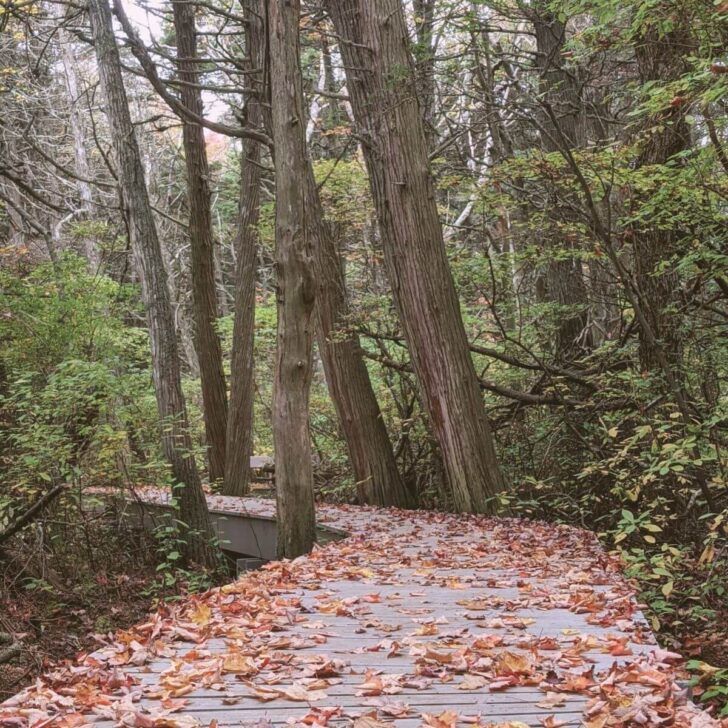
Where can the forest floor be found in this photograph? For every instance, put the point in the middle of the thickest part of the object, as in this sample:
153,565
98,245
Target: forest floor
58,593
708,643
56,602
52,625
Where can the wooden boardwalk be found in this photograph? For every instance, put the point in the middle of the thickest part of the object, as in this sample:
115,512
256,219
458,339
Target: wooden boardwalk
413,619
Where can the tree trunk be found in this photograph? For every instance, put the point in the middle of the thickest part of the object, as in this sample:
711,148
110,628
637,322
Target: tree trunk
82,167
202,251
370,451
660,58
424,51
374,47
296,288
242,370
562,127
147,252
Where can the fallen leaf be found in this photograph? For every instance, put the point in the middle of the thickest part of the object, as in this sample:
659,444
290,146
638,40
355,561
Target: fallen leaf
552,700
370,721
510,663
472,682
446,719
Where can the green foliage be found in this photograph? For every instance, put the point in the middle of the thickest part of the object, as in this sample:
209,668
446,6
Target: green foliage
711,683
173,576
344,192
63,312
76,379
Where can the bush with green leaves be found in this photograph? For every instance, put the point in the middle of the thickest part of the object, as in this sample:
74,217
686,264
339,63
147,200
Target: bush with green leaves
75,396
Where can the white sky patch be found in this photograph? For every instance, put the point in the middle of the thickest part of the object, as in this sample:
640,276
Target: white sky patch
145,16
147,24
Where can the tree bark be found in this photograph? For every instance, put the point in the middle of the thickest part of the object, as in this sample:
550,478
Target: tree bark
242,364
296,288
660,58
147,252
424,23
202,244
562,125
378,481
82,166
371,455
381,85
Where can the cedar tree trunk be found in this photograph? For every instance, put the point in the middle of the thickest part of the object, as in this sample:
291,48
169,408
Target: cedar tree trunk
242,364
563,127
381,83
296,288
202,251
370,451
148,256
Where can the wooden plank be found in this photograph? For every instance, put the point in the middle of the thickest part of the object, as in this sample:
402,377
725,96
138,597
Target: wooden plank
501,702
223,713
407,695
230,720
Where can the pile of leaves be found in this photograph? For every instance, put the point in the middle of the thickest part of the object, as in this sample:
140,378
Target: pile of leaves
361,630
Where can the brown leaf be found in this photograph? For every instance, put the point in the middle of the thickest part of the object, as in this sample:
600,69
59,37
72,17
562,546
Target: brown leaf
476,605
446,719
552,721
238,664
201,615
444,658
375,685
393,708
300,693
321,716
487,642
598,721
510,663
370,721
552,700
502,683
472,682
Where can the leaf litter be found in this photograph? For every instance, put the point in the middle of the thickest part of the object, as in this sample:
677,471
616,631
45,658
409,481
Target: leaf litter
468,609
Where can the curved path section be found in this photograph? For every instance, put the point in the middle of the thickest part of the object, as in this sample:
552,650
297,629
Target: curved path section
414,619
